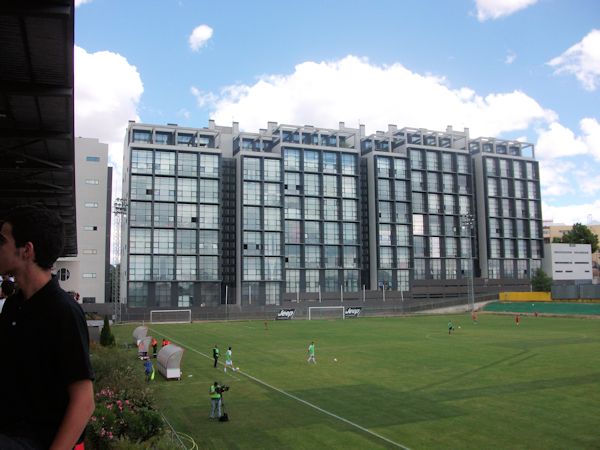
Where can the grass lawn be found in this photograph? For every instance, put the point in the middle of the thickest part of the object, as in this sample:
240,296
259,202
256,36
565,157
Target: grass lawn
398,383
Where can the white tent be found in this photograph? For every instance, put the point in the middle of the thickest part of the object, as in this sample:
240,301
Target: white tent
139,333
144,347
168,361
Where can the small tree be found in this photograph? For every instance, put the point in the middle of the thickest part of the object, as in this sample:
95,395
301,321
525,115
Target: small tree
541,282
107,339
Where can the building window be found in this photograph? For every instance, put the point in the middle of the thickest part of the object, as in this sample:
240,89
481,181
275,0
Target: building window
272,170
272,194
312,281
348,164
141,161
90,251
164,189
164,241
88,275
312,184
208,268
272,219
91,204
162,294
252,268
350,233
330,187
291,159
311,161
185,295
163,268
251,168
186,241
92,181
209,216
252,193
331,209
187,189
208,242
141,187
90,228
164,163
209,165
164,215
144,136
187,165
187,216
186,268
292,280
138,294
92,158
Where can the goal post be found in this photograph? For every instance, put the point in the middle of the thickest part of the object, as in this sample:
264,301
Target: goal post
171,316
325,312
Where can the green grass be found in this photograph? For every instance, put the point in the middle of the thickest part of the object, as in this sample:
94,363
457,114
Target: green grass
491,385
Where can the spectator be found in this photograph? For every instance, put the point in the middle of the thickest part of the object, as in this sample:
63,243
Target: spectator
47,399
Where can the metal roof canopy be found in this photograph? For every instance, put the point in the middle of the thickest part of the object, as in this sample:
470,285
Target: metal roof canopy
36,109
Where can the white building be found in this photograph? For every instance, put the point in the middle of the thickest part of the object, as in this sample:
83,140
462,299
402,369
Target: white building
87,273
568,262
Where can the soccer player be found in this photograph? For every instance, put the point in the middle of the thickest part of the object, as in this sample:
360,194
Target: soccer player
450,327
311,353
216,355
474,317
228,361
518,319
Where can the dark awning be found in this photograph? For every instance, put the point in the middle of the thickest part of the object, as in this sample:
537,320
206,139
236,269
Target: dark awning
36,108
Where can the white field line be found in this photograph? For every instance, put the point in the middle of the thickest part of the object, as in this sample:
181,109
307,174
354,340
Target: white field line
287,394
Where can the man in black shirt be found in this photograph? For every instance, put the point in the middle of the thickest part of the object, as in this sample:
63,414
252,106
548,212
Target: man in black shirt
46,392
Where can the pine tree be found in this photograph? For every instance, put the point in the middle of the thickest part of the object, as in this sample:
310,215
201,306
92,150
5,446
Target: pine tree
107,339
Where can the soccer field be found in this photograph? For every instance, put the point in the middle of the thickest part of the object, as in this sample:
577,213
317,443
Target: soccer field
398,383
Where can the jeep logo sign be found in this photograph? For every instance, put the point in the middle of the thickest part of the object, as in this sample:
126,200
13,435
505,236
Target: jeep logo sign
352,311
285,314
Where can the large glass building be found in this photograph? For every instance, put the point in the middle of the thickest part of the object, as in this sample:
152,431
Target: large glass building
216,215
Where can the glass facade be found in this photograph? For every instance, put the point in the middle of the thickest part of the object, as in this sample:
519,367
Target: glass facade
306,205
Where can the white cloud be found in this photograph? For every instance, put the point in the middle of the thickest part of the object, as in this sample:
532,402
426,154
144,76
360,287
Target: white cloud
555,178
353,90
510,57
589,183
571,214
107,93
558,141
203,98
183,112
494,9
581,60
199,37
81,2
591,135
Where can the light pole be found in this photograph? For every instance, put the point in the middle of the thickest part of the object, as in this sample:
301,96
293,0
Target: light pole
467,220
119,210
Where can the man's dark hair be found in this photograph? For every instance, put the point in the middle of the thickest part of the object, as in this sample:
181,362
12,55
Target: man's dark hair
40,226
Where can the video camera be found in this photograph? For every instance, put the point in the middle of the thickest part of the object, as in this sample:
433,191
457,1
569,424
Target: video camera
223,388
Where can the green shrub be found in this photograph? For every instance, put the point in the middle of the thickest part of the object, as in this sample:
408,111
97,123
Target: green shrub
107,339
125,412
541,282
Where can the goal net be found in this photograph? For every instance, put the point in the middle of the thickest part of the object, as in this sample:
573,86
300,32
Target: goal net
325,312
171,316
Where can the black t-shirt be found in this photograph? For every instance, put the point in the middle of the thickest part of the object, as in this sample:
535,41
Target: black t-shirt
44,346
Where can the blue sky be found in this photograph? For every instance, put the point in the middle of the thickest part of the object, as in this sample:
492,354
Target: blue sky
514,69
